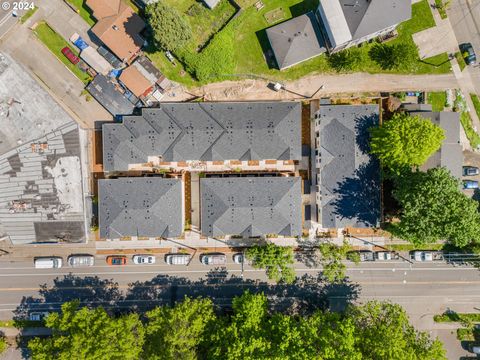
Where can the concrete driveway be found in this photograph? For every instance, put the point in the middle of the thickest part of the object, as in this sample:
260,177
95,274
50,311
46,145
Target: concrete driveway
436,40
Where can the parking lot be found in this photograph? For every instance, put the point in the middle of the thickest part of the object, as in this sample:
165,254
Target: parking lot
471,158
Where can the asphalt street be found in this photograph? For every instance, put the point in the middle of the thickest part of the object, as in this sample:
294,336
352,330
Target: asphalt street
422,288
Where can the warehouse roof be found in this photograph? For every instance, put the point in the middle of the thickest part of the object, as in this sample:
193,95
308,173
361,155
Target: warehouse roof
251,206
150,207
205,131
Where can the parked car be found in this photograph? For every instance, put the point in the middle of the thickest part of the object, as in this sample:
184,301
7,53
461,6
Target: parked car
37,315
238,258
116,260
48,262
213,259
385,255
143,259
470,171
362,255
470,184
426,255
80,260
468,53
74,59
177,259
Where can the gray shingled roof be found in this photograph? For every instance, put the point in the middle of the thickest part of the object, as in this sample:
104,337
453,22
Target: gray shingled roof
365,17
349,176
205,131
251,206
296,40
450,154
149,207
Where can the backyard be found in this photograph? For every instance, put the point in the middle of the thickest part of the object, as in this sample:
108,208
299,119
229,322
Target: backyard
437,100
237,51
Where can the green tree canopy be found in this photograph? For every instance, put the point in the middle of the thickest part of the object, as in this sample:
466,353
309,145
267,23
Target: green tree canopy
384,332
405,141
331,258
400,55
434,208
176,332
170,29
350,59
277,260
89,334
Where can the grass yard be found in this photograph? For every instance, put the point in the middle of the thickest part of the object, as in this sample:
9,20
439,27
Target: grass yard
238,50
55,43
472,136
476,103
274,16
460,60
437,100
28,14
83,10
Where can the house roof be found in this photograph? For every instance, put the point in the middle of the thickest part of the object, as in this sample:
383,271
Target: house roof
296,40
251,206
450,154
150,207
104,8
109,96
121,32
205,131
211,3
349,180
362,17
140,77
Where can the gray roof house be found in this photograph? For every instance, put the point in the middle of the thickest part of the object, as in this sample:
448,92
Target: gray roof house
351,22
296,40
348,177
206,132
145,207
450,154
251,206
211,3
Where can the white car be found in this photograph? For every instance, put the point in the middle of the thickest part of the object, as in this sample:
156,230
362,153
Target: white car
143,259
423,256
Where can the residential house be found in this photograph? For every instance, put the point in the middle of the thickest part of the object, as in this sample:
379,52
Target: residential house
251,206
296,40
450,154
142,78
348,23
118,27
211,4
347,177
226,135
141,207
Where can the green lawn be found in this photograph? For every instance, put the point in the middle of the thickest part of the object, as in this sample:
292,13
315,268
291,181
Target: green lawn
28,14
460,60
55,43
476,103
437,100
83,10
240,53
472,136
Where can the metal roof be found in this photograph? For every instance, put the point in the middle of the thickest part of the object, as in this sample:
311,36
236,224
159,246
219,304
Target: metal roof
450,154
349,179
150,207
251,206
205,131
296,40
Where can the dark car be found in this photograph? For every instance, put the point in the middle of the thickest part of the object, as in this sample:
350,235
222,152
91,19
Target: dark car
74,59
468,54
116,260
470,171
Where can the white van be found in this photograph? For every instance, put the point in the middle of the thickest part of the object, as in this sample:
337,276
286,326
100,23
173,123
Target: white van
52,262
177,259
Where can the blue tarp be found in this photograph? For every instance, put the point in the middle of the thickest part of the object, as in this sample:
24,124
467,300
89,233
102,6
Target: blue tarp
80,43
115,73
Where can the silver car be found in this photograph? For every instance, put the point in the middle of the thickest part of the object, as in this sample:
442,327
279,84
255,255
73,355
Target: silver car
81,260
177,259
213,259
143,259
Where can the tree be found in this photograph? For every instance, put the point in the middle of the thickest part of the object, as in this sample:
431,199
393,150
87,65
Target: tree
399,56
405,141
277,260
384,332
170,29
434,208
89,334
331,258
176,332
347,60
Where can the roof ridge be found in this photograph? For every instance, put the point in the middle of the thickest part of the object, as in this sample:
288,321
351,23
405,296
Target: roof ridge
219,124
